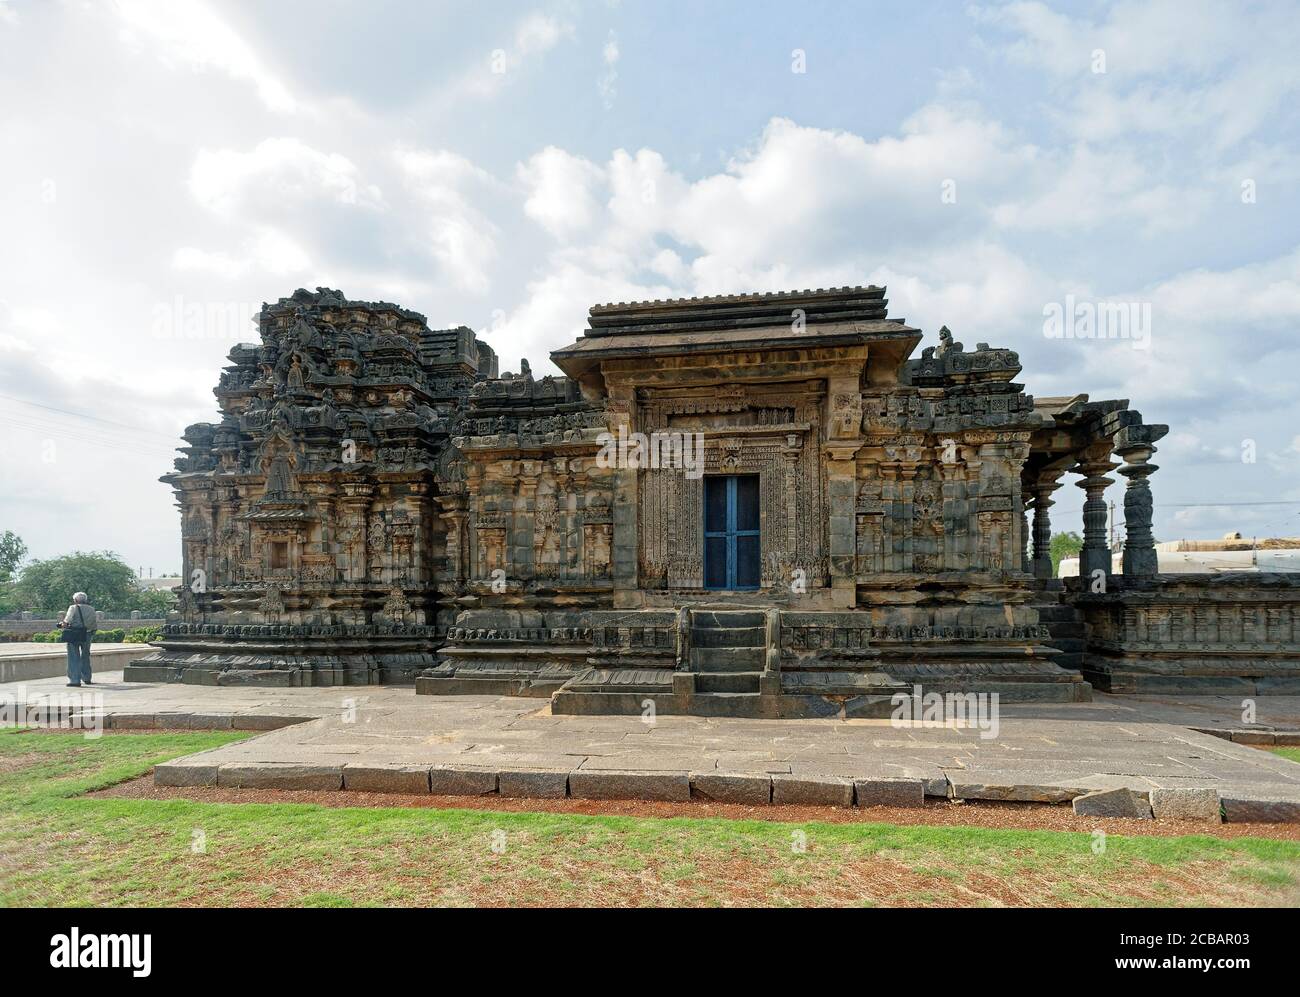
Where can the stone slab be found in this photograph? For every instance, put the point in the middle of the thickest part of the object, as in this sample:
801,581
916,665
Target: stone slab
535,784
372,777
1048,752
733,787
1112,803
1254,736
886,792
995,786
809,790
1200,805
186,773
280,775
614,785
258,721
1251,808
446,780
132,721
193,721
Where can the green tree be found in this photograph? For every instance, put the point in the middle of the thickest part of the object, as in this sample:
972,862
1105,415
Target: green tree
1064,545
12,552
156,603
102,575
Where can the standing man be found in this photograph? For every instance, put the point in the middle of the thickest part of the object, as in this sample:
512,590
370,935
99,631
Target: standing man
79,625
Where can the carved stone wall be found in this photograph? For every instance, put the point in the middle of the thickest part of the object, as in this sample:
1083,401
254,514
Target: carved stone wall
314,503
773,431
1224,634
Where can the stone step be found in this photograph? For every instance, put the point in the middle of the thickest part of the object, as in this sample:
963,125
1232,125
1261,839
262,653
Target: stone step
727,704
727,682
727,659
729,637
703,619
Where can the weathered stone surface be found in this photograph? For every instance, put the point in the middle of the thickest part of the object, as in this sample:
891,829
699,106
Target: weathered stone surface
607,785
1112,803
457,781
1239,808
1290,738
1130,649
261,721
1254,736
533,784
280,775
186,773
1200,805
732,787
192,721
882,792
379,778
132,721
997,786
825,790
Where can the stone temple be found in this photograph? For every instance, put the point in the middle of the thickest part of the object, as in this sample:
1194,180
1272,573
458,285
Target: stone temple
753,505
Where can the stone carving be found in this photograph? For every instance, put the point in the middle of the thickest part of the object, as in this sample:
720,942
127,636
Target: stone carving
376,502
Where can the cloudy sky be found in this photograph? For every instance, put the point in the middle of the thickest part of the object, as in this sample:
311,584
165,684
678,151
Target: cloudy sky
171,164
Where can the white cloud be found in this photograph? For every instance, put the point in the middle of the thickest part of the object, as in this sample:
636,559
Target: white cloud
459,236
607,84
188,34
268,252
275,174
561,190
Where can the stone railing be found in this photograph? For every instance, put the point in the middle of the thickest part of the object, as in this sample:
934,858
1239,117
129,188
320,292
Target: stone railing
1220,634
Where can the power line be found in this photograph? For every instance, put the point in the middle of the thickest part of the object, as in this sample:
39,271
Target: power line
84,415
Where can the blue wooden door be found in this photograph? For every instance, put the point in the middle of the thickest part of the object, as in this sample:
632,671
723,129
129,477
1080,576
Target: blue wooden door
731,532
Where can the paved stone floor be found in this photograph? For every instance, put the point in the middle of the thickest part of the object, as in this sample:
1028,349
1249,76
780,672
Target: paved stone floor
1049,753
24,661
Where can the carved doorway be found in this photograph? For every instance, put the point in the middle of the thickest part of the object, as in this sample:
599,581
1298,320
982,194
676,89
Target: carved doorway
732,557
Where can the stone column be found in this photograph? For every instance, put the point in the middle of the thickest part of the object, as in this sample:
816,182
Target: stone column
1139,545
1094,465
626,542
841,494
1043,501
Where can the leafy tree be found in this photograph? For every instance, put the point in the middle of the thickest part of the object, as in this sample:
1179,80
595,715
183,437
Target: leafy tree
102,575
12,552
156,603
1064,545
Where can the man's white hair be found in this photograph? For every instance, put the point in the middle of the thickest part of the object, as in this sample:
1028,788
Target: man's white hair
78,596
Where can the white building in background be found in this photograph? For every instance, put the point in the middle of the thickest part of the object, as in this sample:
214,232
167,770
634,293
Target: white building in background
164,583
1232,553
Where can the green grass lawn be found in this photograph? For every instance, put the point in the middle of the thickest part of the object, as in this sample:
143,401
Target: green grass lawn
1291,753
59,847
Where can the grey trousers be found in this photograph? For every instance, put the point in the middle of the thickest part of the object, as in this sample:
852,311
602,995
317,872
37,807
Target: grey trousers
79,661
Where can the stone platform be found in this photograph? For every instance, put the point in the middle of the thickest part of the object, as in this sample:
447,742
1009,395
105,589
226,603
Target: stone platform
22,661
386,739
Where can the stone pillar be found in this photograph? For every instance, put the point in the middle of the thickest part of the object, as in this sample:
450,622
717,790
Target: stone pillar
626,543
841,494
1043,501
1139,545
1094,465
